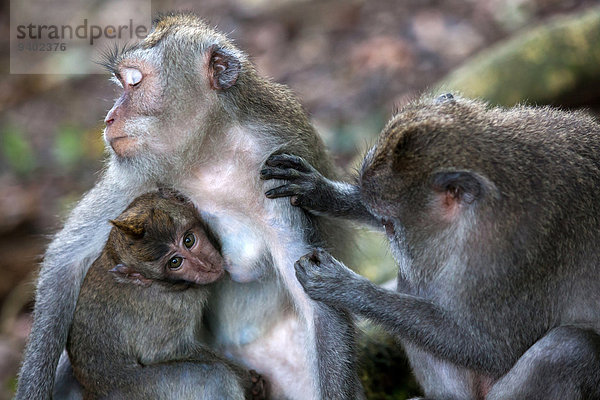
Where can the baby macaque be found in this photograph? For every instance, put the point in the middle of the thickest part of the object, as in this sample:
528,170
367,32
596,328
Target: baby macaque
138,319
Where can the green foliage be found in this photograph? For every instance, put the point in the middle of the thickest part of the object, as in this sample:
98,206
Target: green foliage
355,137
17,151
69,147
384,369
542,65
372,257
12,385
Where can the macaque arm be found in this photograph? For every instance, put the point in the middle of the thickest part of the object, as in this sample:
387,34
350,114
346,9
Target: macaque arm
64,267
308,189
335,336
409,317
182,380
195,367
562,364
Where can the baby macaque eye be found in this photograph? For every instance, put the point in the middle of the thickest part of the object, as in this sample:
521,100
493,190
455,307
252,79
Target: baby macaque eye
175,263
131,76
189,240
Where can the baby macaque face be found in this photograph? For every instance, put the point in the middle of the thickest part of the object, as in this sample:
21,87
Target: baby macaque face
160,237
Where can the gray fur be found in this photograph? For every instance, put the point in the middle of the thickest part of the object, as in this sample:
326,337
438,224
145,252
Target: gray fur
66,261
201,129
492,215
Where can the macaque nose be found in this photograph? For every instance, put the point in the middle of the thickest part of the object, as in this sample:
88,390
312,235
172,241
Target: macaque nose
110,117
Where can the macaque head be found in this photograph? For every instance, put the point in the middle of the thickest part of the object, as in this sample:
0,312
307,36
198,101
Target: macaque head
172,87
427,175
160,238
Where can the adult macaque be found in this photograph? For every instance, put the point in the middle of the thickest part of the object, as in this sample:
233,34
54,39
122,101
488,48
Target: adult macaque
493,217
195,116
135,330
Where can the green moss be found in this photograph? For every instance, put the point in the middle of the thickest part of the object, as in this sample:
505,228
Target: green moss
538,66
385,372
68,147
17,151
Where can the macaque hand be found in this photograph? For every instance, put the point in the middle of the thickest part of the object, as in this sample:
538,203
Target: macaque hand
305,186
324,278
259,386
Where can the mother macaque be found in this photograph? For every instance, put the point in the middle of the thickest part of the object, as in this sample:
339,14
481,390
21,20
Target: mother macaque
195,115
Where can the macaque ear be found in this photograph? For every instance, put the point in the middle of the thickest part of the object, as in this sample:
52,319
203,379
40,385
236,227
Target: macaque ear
223,68
459,188
131,223
126,274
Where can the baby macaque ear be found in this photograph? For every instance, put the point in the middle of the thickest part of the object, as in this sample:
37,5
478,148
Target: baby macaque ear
131,223
223,68
126,274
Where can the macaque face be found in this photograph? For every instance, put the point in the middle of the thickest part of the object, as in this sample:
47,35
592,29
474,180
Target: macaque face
169,89
162,240
136,114
192,259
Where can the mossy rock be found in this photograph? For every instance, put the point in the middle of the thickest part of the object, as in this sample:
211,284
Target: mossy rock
557,61
384,369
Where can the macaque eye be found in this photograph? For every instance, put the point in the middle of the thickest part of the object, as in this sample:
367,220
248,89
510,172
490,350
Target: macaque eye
175,263
189,240
131,76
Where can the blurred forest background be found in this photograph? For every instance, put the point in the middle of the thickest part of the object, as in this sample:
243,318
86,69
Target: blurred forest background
350,62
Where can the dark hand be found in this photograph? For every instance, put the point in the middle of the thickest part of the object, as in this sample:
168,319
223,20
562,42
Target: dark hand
304,179
259,386
324,278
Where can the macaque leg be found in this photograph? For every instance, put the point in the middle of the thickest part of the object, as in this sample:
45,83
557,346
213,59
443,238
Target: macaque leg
438,378
564,364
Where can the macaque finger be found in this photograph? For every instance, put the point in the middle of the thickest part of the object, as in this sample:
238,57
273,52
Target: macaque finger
289,161
283,191
280,173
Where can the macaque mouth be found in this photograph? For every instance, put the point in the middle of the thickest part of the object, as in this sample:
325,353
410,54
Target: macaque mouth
208,276
216,272
121,144
389,227
115,139
210,268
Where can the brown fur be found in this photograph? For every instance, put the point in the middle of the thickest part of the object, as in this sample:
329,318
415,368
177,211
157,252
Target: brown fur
133,314
492,216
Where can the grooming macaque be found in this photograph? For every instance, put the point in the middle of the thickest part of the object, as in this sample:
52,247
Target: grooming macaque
195,115
135,330
493,217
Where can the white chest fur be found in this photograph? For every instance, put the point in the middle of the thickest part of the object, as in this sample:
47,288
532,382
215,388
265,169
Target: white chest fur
259,246
228,192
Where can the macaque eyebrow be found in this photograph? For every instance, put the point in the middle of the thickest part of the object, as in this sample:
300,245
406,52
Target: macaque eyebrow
111,57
